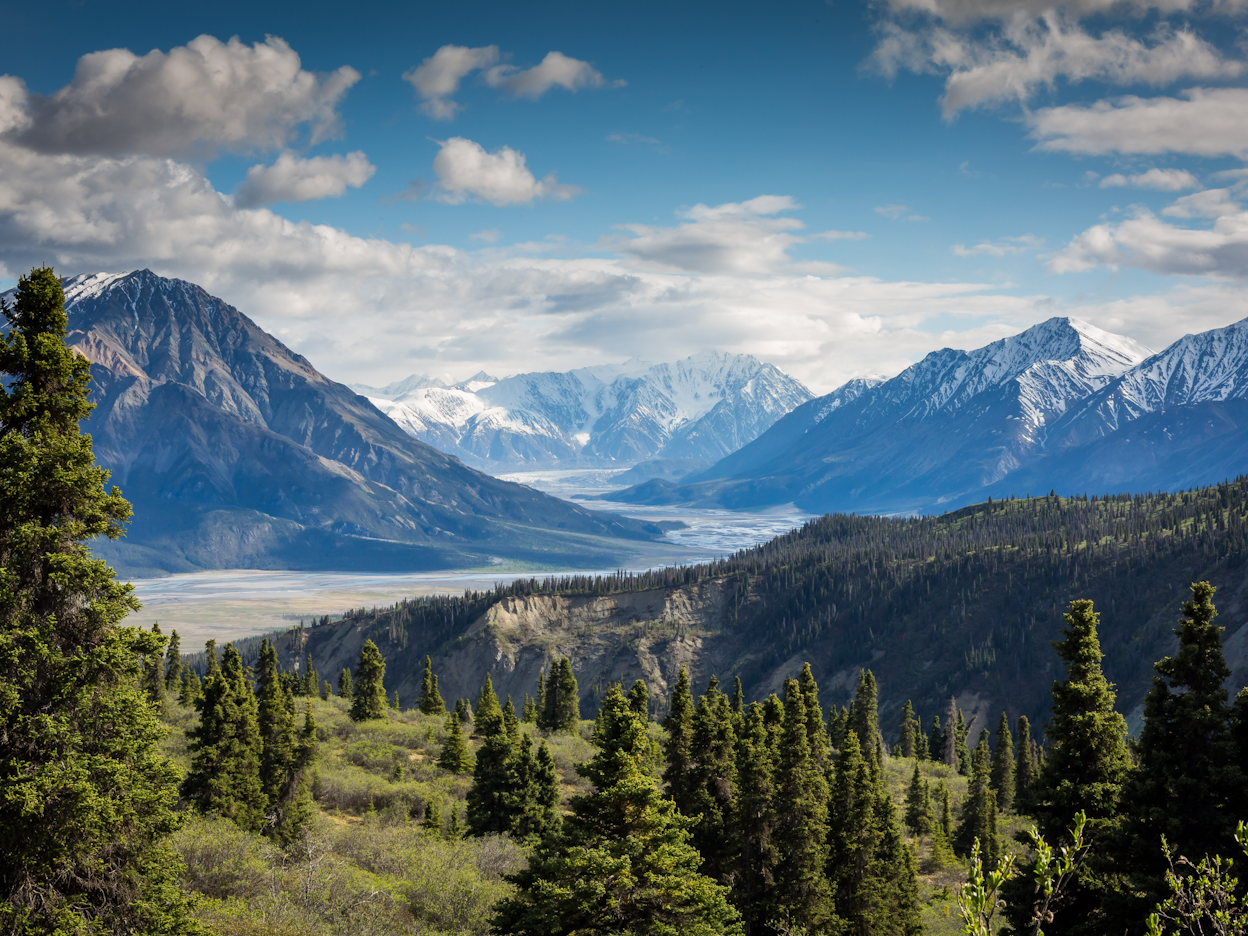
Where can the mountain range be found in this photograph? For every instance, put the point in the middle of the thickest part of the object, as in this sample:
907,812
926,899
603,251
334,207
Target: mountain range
1062,405
701,408
237,453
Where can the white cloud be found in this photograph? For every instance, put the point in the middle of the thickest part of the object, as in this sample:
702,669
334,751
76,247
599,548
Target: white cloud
293,179
490,236
192,101
1006,246
465,170
556,69
1147,242
735,238
840,235
1028,55
437,78
968,12
1163,180
892,211
1203,122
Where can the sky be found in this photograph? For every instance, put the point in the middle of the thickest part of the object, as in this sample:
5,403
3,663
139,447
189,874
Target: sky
835,187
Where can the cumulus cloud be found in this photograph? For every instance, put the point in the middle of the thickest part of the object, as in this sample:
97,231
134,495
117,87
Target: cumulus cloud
490,236
744,237
1028,55
1006,246
1163,180
437,78
293,179
1148,242
840,235
555,70
969,12
1201,122
193,101
465,170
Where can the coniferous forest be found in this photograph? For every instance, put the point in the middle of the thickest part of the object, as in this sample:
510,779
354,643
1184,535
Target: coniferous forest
145,791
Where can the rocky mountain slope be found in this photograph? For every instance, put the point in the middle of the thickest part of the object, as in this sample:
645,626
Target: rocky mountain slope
700,408
964,604
237,452
946,431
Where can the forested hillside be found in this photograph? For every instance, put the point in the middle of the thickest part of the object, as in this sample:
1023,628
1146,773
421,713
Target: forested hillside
962,604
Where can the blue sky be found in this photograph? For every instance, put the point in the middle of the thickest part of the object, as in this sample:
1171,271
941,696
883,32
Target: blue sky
835,187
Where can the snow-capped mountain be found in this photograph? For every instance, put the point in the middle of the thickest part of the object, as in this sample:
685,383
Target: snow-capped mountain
237,453
937,433
702,407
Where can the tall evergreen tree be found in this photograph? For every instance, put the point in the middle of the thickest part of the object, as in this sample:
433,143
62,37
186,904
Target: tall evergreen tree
838,726
639,699
949,747
936,742
154,672
487,710
755,823
344,684
677,754
224,778
918,803
816,730
865,713
285,753
430,701
623,863
368,692
311,679
803,895
738,697
563,706
906,744
491,797
713,783
534,802
1025,770
454,755
1003,766
529,714
173,664
965,764
87,793
1086,765
1188,786
979,809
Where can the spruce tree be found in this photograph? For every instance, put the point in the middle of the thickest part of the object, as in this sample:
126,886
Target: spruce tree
712,777
979,809
838,726
1085,767
562,711
88,793
1188,786
677,748
1025,771
534,800
906,731
368,692
529,714
1003,766
327,690
489,800
154,672
738,697
918,803
173,664
455,755
816,731
285,753
803,895
965,764
432,822
224,778
639,699
950,745
936,742
487,710
430,701
623,832
344,684
755,823
311,681
864,713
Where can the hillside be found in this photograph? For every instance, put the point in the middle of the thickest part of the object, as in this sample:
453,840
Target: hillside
237,452
963,604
